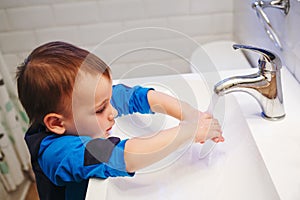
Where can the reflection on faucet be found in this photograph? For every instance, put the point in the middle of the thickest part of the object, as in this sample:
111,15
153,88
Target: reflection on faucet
283,5
258,6
264,86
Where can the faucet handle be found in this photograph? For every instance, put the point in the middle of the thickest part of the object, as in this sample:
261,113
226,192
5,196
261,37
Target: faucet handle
268,60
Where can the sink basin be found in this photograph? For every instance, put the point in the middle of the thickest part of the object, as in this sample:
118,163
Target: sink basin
233,170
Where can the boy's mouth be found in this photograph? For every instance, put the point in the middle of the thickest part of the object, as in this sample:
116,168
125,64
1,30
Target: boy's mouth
109,129
108,133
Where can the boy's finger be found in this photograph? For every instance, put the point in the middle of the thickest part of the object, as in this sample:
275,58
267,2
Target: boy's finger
218,139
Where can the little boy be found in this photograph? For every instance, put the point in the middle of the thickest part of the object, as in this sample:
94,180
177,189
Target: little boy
68,96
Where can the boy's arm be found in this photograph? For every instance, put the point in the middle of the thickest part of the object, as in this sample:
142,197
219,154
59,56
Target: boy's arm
194,125
128,100
163,103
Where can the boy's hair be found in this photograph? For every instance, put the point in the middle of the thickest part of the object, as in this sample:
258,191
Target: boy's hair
46,79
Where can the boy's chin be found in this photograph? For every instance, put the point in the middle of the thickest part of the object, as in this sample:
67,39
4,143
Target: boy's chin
107,134
101,135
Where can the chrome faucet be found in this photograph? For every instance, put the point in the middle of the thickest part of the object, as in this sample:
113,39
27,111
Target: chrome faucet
283,5
259,7
264,86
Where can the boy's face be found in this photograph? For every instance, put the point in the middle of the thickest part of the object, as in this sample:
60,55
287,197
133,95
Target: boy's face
93,115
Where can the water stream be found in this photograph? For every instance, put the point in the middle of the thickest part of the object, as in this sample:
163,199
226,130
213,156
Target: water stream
209,145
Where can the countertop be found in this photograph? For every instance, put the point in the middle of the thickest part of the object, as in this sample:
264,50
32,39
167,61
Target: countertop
277,141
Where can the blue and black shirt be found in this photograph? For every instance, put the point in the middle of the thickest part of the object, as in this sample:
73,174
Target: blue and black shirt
63,163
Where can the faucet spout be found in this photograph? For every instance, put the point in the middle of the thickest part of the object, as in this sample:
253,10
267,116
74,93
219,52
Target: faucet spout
248,84
265,86
264,90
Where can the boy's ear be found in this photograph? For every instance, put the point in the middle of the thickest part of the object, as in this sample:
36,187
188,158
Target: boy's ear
54,123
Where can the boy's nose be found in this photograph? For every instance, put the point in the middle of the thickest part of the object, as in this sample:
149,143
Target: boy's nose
113,115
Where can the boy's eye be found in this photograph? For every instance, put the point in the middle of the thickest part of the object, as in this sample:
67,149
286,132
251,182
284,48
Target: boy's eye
101,110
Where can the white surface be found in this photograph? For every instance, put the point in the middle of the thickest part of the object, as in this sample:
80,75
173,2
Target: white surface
221,57
278,142
235,169
224,56
97,189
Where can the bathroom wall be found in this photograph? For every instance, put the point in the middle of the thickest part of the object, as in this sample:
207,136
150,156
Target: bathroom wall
26,24
248,30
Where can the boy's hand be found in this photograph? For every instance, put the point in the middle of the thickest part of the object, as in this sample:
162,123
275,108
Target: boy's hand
202,124
191,119
208,128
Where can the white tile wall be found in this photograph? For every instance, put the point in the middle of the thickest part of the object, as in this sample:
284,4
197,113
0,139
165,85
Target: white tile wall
150,22
248,30
26,24
24,18
116,10
66,33
3,21
17,41
92,34
11,60
20,3
198,6
158,8
75,13
222,22
193,25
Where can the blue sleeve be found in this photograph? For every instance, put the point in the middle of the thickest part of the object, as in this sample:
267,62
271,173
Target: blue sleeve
76,158
127,100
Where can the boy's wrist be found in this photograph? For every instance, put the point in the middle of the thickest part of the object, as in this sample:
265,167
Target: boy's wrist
189,113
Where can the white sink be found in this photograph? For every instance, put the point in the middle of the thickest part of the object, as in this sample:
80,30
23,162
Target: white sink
234,169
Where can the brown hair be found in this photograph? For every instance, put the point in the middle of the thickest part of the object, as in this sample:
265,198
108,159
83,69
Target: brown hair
46,78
